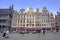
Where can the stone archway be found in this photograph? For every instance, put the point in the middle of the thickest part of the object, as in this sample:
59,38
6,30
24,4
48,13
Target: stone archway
4,27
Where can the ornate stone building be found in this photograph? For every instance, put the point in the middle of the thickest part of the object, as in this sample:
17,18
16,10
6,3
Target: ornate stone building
6,18
57,20
33,19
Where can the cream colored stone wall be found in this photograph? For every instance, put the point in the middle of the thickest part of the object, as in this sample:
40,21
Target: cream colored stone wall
32,18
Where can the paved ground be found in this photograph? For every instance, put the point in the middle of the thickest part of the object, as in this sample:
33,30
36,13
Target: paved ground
47,36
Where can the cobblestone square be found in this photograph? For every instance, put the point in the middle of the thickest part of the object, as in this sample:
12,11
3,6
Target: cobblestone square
47,36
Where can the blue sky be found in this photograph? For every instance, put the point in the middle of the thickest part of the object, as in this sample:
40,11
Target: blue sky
52,5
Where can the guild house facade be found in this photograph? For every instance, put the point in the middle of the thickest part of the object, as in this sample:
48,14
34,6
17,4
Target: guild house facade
6,18
32,19
57,20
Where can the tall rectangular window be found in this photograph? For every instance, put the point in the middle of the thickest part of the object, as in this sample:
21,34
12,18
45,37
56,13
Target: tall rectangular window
18,20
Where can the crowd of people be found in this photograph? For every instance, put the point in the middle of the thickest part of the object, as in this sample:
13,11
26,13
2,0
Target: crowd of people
43,31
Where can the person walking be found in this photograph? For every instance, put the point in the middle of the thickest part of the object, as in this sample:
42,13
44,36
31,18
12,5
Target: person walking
7,34
44,31
4,34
